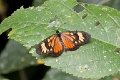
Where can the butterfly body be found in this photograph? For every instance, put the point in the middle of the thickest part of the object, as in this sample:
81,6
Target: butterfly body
62,41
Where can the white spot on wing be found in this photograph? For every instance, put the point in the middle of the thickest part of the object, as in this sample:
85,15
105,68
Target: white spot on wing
81,38
44,49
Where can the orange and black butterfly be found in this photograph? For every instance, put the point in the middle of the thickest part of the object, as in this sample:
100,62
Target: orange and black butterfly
62,41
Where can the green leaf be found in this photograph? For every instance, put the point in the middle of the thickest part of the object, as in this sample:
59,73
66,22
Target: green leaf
55,74
96,59
15,57
111,77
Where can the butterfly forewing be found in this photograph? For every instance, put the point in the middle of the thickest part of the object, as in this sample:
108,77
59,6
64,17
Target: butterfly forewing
83,37
68,41
57,48
50,45
73,39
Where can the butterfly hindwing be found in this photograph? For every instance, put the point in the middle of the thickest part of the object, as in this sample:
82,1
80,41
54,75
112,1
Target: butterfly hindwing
51,46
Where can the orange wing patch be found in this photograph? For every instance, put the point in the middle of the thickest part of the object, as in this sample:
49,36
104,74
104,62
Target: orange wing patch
68,42
58,46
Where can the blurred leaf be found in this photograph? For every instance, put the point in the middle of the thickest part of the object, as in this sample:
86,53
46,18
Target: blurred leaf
2,78
38,2
15,57
90,1
114,3
55,74
93,60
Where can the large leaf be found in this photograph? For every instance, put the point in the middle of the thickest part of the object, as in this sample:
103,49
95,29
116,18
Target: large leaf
96,59
55,74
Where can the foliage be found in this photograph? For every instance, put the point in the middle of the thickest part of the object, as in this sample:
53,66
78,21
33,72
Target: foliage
94,60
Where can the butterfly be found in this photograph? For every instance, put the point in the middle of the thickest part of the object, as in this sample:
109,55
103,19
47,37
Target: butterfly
62,41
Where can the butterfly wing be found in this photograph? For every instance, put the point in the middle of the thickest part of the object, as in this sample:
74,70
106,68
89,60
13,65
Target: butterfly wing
51,45
72,40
